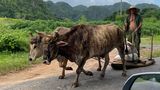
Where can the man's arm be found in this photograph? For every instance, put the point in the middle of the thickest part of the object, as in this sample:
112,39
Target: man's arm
126,24
140,24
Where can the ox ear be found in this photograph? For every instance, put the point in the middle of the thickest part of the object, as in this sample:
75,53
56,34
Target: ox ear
30,34
41,34
55,34
61,43
130,44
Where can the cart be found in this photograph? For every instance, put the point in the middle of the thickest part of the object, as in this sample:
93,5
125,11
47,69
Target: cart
117,64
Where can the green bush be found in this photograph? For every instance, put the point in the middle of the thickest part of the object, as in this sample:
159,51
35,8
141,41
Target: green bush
9,43
20,25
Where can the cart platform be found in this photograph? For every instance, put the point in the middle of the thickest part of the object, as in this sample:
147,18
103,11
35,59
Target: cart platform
117,64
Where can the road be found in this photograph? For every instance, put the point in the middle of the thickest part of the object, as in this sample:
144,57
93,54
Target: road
112,81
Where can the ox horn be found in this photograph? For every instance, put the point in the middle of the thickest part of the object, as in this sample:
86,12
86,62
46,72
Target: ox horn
31,35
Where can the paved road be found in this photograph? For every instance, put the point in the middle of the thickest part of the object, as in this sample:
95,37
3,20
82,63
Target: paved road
112,81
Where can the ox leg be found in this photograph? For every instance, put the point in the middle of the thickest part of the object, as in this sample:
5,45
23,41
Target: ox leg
132,54
89,73
99,62
122,55
104,67
78,71
63,65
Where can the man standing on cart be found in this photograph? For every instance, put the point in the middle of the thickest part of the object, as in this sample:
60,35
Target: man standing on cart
133,24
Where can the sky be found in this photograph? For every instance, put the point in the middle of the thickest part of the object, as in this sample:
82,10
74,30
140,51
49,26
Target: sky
105,2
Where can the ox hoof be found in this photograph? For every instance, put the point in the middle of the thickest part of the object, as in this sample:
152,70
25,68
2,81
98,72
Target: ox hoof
124,74
61,77
101,76
98,69
89,73
74,85
69,68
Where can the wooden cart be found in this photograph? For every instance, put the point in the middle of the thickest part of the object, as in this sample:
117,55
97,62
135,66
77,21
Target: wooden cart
117,65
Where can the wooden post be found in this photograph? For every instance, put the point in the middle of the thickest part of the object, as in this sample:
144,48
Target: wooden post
151,54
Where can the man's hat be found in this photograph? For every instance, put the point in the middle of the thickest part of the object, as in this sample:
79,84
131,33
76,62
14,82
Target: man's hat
133,7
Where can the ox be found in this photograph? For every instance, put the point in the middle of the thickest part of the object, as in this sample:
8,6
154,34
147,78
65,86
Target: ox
84,42
36,51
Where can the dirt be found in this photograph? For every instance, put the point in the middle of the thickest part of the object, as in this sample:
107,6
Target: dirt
41,71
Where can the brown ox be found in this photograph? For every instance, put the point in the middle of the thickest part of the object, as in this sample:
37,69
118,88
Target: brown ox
84,42
36,51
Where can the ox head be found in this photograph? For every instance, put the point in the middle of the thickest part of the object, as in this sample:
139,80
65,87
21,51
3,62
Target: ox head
35,45
51,46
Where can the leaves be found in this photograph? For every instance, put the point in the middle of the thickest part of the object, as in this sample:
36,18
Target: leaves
25,9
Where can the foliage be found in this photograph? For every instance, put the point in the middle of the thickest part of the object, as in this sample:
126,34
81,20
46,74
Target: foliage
150,25
24,9
151,13
46,10
13,41
14,32
9,43
82,19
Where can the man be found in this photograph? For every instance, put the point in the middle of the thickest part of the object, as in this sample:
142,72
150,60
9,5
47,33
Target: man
133,24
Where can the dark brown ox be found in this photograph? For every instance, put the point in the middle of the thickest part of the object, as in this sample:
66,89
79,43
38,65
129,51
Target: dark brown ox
36,50
84,42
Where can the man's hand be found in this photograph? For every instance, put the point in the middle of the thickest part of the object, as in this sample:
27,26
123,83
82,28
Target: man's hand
136,30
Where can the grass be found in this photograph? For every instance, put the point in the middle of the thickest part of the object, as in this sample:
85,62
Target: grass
12,62
146,40
146,53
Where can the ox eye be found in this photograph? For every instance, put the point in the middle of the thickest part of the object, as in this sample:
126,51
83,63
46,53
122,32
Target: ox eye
34,46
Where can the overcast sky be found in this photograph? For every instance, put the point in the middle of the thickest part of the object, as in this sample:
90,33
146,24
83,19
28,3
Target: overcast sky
105,2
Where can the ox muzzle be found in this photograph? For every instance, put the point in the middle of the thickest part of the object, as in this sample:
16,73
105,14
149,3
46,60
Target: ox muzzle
46,62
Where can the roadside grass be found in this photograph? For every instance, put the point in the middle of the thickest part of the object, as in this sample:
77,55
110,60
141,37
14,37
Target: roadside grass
146,40
156,53
12,62
145,53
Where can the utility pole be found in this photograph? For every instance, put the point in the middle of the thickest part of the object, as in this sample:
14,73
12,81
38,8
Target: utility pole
121,8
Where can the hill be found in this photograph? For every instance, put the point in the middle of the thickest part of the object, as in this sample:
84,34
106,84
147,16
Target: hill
63,10
39,9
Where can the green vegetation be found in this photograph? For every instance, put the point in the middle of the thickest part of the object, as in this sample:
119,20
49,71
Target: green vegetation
25,9
146,40
11,62
46,10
